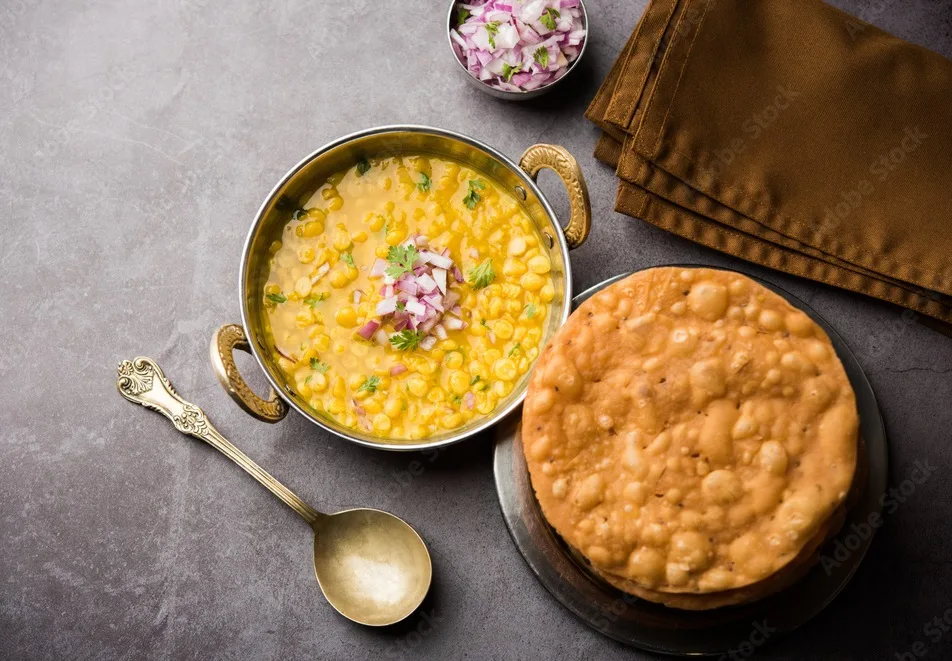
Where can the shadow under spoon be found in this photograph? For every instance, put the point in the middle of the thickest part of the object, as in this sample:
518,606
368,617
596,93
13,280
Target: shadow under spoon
372,566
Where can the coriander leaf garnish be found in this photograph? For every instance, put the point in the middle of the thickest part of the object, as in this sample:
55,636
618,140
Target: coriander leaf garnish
456,399
541,56
472,197
308,379
348,259
492,29
482,322
277,298
548,18
311,301
482,275
363,165
406,339
462,14
516,347
370,385
318,366
424,184
474,380
401,306
401,260
508,71
530,310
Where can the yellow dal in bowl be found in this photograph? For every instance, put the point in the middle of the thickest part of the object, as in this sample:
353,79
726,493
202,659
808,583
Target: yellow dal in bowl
326,254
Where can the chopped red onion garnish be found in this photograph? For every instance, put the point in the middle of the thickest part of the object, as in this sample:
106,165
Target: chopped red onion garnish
416,297
427,283
452,323
399,368
440,276
436,260
321,272
434,301
469,400
415,307
450,300
519,45
387,305
407,284
367,330
379,268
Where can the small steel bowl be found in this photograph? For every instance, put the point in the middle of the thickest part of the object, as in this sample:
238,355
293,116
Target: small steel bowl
503,94
253,334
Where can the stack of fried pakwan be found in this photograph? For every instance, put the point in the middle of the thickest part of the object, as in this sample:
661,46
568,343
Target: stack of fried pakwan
693,436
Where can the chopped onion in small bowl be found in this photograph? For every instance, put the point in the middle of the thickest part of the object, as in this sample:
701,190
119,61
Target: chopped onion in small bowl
518,46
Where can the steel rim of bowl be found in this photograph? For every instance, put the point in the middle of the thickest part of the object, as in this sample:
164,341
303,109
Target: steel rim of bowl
386,444
504,94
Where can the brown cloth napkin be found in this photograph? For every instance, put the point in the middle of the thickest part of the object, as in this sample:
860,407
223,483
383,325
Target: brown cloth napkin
790,134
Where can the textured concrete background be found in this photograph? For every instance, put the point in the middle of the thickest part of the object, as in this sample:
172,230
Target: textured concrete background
138,139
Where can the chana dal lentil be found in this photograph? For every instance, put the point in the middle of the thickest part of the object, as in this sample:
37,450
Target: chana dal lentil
342,327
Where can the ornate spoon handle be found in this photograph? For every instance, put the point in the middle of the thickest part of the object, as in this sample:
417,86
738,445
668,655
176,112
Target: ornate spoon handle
142,381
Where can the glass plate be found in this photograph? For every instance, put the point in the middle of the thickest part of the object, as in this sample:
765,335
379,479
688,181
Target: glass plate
656,628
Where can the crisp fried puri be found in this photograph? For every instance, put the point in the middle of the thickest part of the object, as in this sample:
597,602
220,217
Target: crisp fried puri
794,570
785,577
690,431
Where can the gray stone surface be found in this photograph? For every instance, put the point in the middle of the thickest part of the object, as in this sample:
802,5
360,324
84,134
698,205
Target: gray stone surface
138,139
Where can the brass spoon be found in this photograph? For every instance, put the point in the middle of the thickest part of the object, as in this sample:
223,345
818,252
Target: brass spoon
372,566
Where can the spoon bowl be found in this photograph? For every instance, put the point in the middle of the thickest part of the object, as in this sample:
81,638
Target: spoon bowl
371,565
